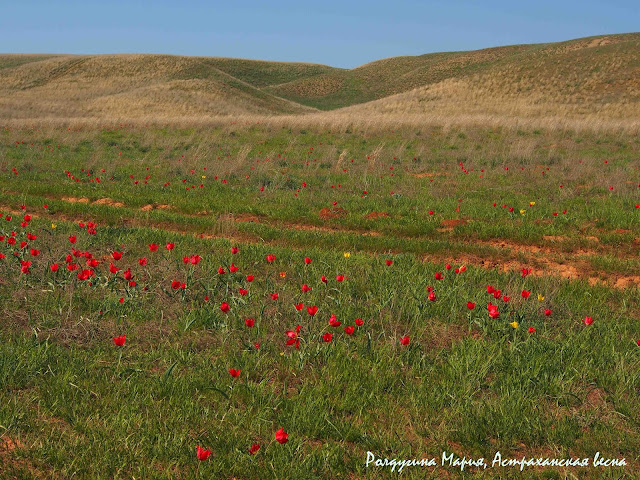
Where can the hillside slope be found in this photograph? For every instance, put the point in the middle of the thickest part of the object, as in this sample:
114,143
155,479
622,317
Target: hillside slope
588,76
130,86
592,76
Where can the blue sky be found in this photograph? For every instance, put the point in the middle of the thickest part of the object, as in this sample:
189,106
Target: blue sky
338,33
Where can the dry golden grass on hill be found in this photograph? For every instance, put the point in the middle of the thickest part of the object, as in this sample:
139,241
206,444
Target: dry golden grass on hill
585,83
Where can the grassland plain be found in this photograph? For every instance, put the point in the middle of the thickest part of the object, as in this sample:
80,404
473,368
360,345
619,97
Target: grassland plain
476,291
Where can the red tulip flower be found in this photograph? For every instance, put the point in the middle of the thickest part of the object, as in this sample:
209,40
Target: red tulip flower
327,337
116,255
250,278
250,322
274,296
339,278
532,330
359,322
439,276
234,250
175,284
119,341
299,306
282,436
471,305
389,263
307,260
312,310
432,296
54,267
170,246
526,293
72,239
243,292
270,258
333,321
225,307
153,247
254,449
404,340
323,279
234,373
548,312
588,321
293,337
306,288
349,330
202,454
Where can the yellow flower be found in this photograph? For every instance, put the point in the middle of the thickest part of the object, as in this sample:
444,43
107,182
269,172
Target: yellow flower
540,298
531,204
347,254
53,225
514,324
204,176
522,211
283,274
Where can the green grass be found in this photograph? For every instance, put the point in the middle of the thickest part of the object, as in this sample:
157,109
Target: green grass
73,404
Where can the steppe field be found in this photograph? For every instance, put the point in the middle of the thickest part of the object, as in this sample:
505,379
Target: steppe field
218,268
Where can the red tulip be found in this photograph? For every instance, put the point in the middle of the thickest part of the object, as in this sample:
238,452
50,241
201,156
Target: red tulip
327,337
312,310
532,330
359,322
274,296
116,255
588,321
270,258
250,278
201,453
250,322
525,293
170,246
547,312
432,296
439,276
349,330
323,279
254,449
221,271
153,247
72,239
225,307
471,305
339,278
526,271
119,341
333,321
404,340
54,267
306,288
282,436
233,268
307,260
233,372
234,250
389,263
142,262
243,292
299,306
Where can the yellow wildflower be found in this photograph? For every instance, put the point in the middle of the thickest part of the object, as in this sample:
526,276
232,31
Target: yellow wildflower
347,254
514,324
540,298
522,211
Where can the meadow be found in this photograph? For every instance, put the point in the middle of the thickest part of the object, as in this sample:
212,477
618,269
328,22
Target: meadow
289,299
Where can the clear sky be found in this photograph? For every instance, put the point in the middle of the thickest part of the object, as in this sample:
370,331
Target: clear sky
338,33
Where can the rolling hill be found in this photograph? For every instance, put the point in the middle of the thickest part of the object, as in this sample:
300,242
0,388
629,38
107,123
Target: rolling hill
596,75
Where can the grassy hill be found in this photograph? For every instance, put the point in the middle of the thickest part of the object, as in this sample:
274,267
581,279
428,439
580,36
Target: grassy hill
588,76
134,86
